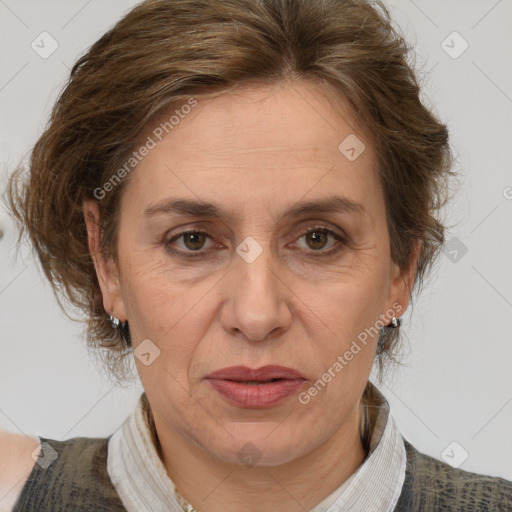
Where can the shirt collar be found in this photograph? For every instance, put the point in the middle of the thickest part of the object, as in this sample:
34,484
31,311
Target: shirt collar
378,482
140,478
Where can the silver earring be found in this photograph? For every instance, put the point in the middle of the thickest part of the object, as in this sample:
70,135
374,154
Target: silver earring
395,322
125,331
115,321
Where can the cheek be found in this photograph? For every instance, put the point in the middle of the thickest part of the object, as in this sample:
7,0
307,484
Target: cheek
356,300
347,356
351,310
169,319
168,314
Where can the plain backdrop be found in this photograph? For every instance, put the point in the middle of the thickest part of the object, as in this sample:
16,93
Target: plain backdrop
456,383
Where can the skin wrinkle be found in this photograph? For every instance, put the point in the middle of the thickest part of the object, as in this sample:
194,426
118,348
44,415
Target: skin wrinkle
217,311
159,213
226,165
282,308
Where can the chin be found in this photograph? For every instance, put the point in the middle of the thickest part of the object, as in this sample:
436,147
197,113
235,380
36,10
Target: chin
261,444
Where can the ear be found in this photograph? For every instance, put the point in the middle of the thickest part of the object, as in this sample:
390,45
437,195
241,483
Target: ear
107,272
402,282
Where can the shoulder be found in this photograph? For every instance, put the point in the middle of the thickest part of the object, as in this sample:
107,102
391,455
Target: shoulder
18,455
65,475
431,484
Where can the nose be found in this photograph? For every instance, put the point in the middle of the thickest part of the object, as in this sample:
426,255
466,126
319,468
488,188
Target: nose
258,305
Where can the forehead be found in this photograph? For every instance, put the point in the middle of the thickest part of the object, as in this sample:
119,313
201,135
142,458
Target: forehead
274,141
283,117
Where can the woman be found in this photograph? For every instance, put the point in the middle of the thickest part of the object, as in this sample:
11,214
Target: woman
242,196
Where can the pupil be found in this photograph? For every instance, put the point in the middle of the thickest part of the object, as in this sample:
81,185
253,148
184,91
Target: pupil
316,236
196,238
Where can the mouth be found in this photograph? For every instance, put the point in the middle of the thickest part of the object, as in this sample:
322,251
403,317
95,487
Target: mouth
263,374
256,388
254,382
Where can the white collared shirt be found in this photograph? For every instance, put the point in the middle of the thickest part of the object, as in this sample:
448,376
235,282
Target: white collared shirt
140,478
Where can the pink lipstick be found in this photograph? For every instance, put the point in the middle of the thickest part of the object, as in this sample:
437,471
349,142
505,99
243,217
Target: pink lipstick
256,388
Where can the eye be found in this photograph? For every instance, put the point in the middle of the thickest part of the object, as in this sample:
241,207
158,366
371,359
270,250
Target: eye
317,239
193,242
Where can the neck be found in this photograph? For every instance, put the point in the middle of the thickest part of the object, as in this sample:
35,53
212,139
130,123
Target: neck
211,484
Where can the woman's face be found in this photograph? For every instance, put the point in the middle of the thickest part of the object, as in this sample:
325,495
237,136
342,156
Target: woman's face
260,281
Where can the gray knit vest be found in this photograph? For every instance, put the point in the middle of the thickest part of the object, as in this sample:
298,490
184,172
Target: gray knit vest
78,481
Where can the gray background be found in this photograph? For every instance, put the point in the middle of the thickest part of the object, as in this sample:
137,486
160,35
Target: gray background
457,382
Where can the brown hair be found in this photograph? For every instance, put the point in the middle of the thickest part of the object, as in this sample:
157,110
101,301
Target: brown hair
165,51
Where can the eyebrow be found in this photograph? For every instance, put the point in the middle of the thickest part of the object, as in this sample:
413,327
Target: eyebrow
189,207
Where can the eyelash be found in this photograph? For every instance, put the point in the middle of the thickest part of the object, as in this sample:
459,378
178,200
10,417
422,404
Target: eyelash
314,254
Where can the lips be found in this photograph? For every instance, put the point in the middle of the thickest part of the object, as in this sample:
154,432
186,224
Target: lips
256,388
264,373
